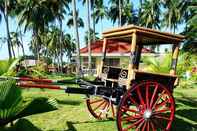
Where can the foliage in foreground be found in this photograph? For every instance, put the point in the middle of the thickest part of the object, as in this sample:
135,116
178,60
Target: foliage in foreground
13,106
5,65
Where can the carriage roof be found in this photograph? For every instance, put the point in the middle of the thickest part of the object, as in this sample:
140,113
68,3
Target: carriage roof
145,36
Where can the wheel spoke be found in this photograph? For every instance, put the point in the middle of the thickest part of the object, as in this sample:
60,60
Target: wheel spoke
154,93
147,95
99,105
162,117
161,111
152,126
95,101
148,126
112,108
161,104
132,100
140,125
130,110
144,126
103,109
134,124
129,118
140,96
158,99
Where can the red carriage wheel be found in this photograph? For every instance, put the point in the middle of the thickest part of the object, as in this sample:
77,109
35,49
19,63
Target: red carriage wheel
148,106
101,108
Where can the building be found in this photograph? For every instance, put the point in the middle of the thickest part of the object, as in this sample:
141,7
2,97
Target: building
117,54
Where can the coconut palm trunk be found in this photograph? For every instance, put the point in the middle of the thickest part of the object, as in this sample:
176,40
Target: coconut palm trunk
61,49
5,14
120,12
88,31
93,20
21,38
78,69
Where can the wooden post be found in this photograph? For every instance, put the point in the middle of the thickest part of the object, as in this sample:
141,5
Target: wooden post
103,57
175,52
138,55
132,59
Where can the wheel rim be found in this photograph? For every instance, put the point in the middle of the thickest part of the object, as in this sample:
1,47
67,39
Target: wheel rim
147,106
101,108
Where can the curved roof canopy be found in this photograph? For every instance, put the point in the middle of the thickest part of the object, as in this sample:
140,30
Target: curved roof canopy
145,36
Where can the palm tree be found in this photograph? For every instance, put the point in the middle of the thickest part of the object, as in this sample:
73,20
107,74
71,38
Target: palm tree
4,10
78,71
150,14
16,42
70,23
115,11
190,30
60,8
172,15
91,36
87,2
99,12
54,49
35,15
128,15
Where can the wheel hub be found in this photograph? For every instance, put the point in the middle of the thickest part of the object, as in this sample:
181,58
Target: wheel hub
147,114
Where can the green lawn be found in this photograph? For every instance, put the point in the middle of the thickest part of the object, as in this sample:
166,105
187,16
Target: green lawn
73,115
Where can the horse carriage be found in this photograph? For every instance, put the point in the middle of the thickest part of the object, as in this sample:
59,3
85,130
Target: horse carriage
138,100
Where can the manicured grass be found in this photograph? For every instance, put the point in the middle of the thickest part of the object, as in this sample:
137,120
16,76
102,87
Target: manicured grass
73,115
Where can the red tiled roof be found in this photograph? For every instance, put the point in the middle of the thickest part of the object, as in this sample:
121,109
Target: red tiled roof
112,47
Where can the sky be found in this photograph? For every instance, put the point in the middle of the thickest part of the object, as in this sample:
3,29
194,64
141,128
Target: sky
27,36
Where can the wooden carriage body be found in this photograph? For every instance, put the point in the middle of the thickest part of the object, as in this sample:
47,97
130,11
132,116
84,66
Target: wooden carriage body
139,37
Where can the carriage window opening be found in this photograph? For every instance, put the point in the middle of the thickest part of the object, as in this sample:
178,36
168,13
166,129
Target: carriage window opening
112,62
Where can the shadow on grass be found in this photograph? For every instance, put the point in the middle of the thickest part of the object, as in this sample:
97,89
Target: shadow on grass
186,101
21,125
71,127
68,102
186,114
180,124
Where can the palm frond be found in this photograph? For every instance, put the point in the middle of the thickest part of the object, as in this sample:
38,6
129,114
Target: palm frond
13,106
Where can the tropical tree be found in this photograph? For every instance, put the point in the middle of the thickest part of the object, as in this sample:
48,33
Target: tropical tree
150,14
76,37
59,9
70,23
91,36
125,15
100,12
129,15
190,30
16,42
115,11
55,49
173,15
35,15
4,9
87,2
